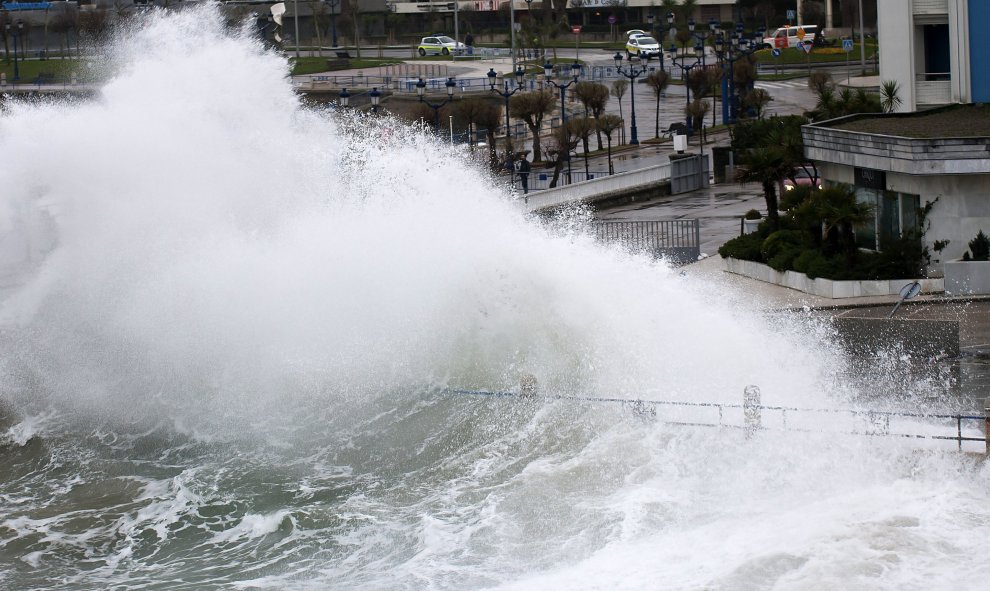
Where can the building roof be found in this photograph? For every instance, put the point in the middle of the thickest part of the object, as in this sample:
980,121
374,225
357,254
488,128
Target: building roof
948,140
948,122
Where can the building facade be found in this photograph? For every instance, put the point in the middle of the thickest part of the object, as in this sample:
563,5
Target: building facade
933,49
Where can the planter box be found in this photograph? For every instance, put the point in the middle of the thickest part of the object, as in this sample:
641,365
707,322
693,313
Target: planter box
967,277
827,288
750,226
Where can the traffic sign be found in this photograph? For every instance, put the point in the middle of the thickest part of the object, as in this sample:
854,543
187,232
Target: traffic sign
775,52
791,15
800,33
847,45
806,46
576,29
611,19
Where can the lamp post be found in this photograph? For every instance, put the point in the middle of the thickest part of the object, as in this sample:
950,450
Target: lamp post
700,38
651,20
421,91
678,60
506,93
344,98
16,33
575,74
295,14
512,31
631,72
729,51
376,98
333,4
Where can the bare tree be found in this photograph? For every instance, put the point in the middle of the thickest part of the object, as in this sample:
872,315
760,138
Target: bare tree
532,107
607,124
619,88
658,80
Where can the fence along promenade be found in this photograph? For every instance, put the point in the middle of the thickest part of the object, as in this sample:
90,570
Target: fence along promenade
961,430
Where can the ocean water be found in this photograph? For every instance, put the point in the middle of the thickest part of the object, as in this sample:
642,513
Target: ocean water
236,334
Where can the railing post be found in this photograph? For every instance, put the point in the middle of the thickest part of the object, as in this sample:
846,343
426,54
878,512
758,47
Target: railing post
986,424
751,410
527,385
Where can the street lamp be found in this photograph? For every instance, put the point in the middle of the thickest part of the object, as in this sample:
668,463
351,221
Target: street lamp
421,91
344,98
376,98
575,74
333,4
729,51
16,33
698,56
631,72
651,19
506,93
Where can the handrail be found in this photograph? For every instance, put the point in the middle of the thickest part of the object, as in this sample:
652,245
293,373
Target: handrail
649,408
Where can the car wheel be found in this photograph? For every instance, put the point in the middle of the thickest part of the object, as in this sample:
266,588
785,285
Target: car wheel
422,52
446,51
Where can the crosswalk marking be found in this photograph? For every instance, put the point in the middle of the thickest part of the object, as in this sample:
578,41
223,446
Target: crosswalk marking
788,84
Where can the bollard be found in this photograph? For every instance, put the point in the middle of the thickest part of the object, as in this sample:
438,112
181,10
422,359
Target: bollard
751,410
527,385
986,424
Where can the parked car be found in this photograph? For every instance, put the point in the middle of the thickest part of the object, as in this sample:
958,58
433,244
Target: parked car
439,45
642,46
788,37
804,176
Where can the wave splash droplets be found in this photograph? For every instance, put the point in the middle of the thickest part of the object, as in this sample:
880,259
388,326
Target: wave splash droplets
282,288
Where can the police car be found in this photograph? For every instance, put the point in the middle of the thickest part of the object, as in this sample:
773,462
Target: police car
642,46
439,45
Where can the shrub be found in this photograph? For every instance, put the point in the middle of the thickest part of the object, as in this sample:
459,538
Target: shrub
745,247
979,247
780,241
753,215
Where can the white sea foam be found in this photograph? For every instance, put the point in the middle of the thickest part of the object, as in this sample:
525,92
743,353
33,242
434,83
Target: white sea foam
205,252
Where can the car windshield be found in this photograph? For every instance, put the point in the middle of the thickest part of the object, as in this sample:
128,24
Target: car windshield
646,41
445,40
801,173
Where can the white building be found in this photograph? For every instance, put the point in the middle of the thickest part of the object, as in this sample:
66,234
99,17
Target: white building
934,50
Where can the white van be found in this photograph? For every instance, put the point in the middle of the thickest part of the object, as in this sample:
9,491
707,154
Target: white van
788,36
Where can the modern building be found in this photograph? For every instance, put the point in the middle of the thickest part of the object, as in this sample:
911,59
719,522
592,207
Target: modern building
934,50
936,160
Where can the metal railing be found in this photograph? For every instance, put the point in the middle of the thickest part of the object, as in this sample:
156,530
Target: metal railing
752,417
679,240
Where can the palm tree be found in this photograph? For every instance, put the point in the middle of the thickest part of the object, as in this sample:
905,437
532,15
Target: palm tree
889,99
658,81
765,165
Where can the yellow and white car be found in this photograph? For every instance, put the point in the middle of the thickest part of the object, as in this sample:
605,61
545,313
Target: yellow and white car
439,45
643,47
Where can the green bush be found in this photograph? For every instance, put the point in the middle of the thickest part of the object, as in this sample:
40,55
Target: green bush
780,241
783,260
745,247
753,215
980,247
